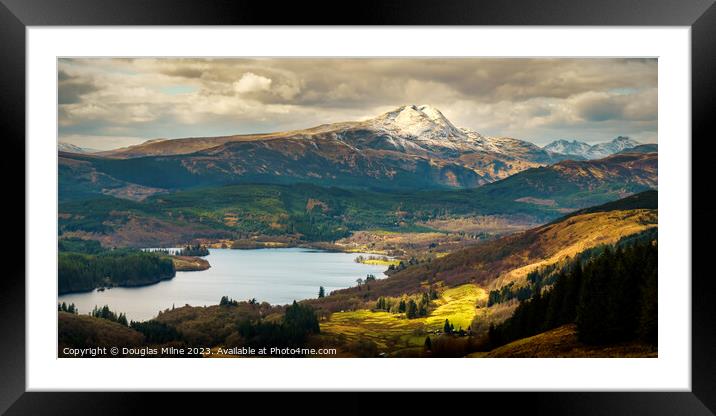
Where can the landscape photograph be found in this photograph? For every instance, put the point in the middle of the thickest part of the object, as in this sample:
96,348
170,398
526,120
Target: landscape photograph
240,207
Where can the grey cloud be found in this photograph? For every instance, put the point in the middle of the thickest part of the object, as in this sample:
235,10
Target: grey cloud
183,72
492,79
535,99
601,107
71,92
71,88
63,76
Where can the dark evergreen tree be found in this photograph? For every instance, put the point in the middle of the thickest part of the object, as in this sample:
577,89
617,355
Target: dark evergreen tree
433,293
423,309
226,301
595,319
301,316
447,327
105,313
428,344
156,332
648,314
411,311
194,250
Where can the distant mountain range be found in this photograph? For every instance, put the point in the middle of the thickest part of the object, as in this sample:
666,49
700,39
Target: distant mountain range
412,147
585,151
642,148
71,148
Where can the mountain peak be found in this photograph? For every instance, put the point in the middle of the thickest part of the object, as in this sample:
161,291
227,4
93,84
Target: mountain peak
418,121
597,151
413,110
567,147
565,141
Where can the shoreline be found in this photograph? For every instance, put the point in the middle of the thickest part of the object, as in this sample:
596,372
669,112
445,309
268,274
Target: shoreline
381,274
316,245
181,264
74,292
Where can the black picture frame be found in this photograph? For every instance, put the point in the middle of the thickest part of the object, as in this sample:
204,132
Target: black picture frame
700,15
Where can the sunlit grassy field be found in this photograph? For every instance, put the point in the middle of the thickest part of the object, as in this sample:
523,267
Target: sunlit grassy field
457,305
381,262
393,331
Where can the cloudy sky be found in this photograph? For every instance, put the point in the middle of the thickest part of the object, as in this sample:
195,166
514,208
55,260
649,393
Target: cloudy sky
109,103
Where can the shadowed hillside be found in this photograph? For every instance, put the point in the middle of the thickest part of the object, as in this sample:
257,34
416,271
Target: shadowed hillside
313,213
562,342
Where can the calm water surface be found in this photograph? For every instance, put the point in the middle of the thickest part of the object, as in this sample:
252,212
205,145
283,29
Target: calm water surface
274,275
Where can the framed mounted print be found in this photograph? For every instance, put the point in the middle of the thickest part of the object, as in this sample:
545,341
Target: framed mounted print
348,208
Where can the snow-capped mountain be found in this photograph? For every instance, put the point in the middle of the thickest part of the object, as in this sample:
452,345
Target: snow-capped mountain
71,148
425,128
422,124
415,130
411,129
601,150
597,151
411,146
565,147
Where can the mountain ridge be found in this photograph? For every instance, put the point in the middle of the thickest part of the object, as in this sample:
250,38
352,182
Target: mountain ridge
71,148
410,147
587,151
409,127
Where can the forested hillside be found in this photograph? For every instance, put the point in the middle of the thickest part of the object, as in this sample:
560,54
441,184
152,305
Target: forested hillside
313,213
612,298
